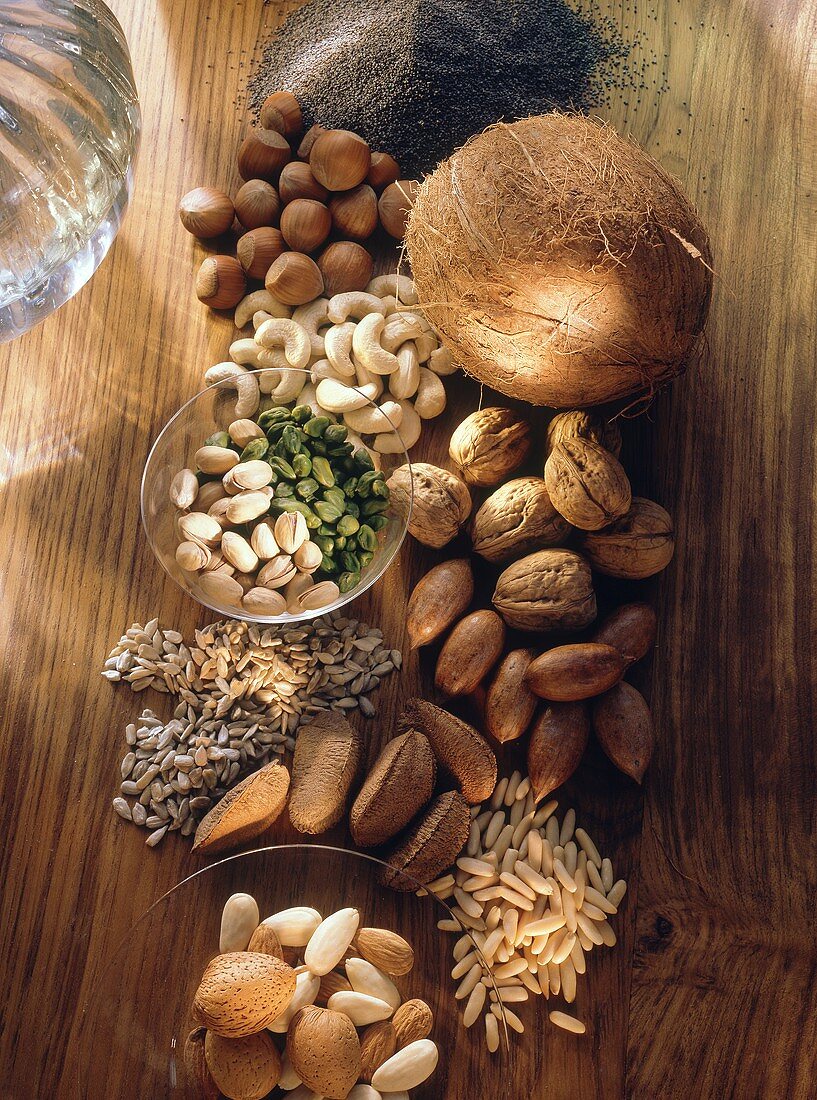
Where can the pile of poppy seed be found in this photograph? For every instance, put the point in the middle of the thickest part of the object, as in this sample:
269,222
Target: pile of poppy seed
417,77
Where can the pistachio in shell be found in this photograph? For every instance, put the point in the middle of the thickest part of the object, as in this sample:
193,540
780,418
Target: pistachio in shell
623,727
517,518
438,600
440,506
431,845
584,424
490,444
586,484
558,738
547,590
636,546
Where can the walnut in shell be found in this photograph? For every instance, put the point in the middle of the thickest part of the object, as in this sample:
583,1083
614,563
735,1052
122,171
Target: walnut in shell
490,444
440,506
517,518
548,590
587,484
582,424
636,546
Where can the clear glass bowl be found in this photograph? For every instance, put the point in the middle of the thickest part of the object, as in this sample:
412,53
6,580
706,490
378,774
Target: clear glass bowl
137,1017
69,133
210,411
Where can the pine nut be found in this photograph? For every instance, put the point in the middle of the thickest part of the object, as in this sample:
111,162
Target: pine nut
523,789
607,875
571,859
475,867
498,797
510,969
476,1003
588,847
510,790
563,876
577,958
568,976
468,982
491,1033
563,950
594,877
617,892
503,841
519,900
590,929
544,812
495,827
518,885
567,1023
464,965
532,878
568,827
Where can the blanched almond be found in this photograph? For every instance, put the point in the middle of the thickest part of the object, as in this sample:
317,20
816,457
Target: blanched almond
307,986
294,926
366,978
330,941
407,1068
360,1007
239,919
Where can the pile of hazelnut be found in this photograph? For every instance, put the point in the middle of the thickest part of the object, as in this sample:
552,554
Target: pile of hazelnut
307,203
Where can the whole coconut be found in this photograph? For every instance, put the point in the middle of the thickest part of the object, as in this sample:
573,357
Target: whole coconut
561,264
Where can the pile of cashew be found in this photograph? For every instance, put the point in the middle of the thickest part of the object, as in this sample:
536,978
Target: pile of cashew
373,360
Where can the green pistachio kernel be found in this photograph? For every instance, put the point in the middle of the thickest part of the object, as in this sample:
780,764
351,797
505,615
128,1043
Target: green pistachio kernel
302,465
255,449
347,525
273,416
366,538
347,581
350,561
374,506
323,471
301,413
365,557
328,565
377,523
328,512
363,460
282,466
336,433
316,426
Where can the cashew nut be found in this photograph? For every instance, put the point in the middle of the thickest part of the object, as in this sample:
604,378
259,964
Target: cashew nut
338,397
403,383
308,396
311,317
429,401
374,418
427,342
291,383
259,299
338,343
367,349
441,361
269,379
390,443
353,303
365,379
246,386
324,369
398,329
259,317
295,340
245,351
400,285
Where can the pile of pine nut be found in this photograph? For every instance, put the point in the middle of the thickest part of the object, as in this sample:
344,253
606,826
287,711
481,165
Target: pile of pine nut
535,897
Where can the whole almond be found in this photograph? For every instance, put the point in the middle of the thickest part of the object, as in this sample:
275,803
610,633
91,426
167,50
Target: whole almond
623,726
558,739
438,601
413,1020
246,1068
399,785
195,1065
459,748
324,1050
509,702
631,629
245,811
265,941
385,950
569,673
470,652
431,845
331,983
377,1044
241,993
327,757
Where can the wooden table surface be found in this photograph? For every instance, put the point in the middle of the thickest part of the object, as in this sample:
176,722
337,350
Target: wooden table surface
711,990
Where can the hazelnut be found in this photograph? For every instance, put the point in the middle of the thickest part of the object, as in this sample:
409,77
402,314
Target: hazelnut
345,266
270,118
395,205
287,107
220,282
384,170
258,249
257,204
206,212
340,160
294,279
354,213
305,224
309,139
263,154
297,182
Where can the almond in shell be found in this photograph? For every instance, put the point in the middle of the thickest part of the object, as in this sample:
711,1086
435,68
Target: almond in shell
558,738
327,757
470,652
568,673
459,748
509,703
243,1069
431,845
245,811
631,629
623,726
324,1050
385,950
438,600
413,1020
242,992
377,1044
399,785
195,1065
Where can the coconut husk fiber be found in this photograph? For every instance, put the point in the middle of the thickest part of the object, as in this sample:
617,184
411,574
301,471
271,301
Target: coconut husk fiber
560,263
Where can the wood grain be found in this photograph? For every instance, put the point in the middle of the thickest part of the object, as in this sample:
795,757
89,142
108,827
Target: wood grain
711,990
